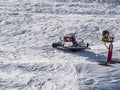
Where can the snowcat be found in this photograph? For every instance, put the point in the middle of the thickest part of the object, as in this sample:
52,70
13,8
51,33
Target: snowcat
69,43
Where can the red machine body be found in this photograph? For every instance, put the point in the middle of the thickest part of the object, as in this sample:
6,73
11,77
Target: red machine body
69,43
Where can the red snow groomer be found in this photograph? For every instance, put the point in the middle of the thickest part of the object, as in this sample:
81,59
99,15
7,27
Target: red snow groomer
69,43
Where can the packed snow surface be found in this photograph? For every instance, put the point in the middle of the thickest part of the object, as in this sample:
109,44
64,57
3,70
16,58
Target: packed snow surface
27,59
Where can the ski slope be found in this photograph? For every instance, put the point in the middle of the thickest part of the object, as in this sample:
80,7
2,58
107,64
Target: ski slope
27,60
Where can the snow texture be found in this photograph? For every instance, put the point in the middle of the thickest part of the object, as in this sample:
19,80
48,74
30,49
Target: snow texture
29,27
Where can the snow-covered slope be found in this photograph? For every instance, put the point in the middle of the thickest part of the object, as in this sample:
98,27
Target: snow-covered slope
62,8
27,60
